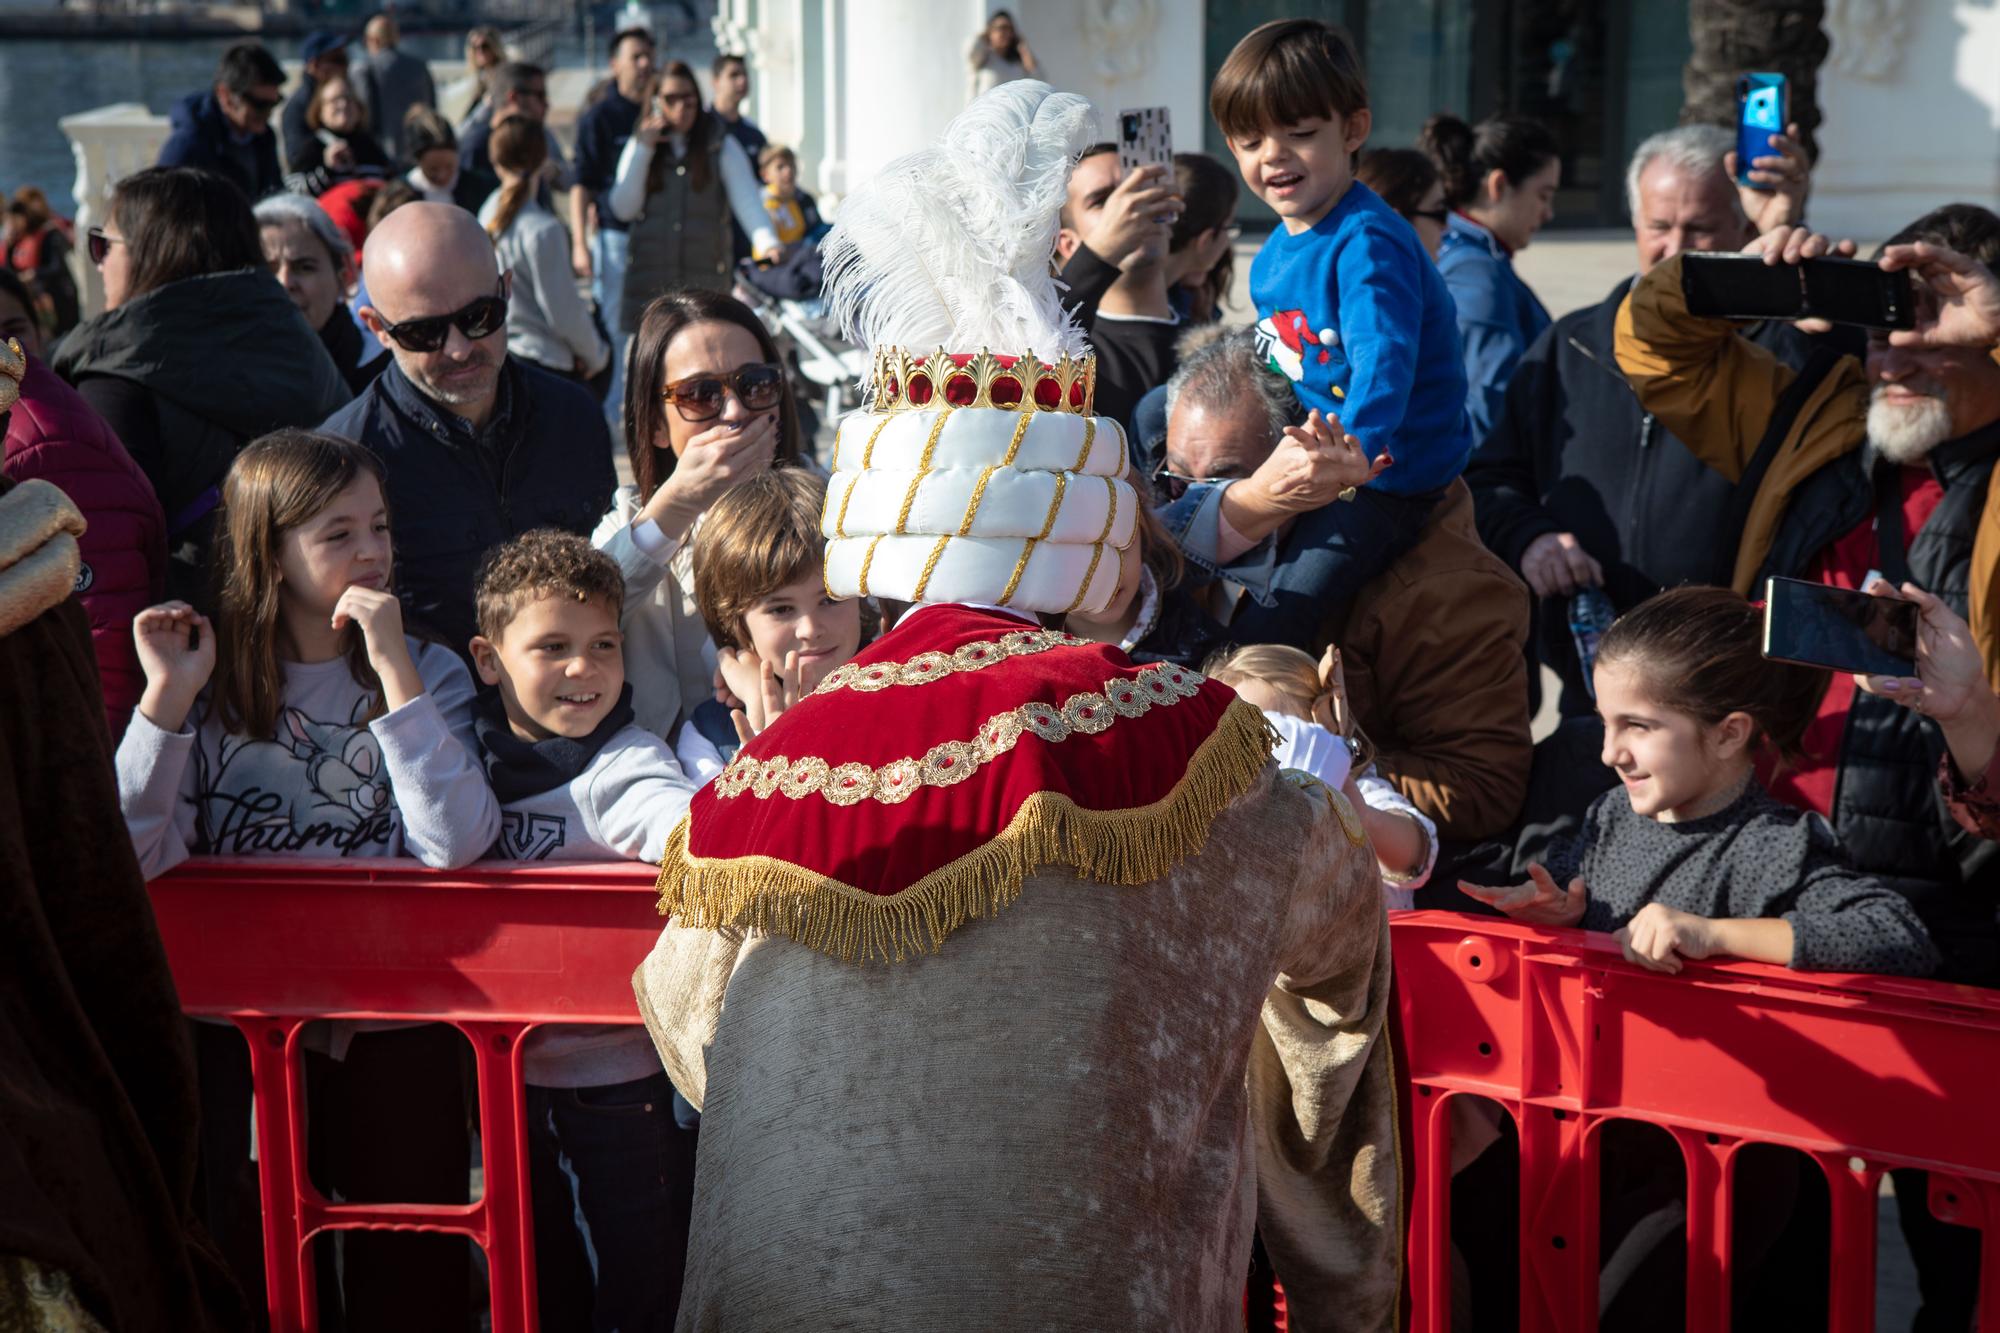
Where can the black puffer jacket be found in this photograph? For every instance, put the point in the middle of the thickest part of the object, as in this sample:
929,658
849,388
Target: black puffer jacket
1887,808
1574,452
188,374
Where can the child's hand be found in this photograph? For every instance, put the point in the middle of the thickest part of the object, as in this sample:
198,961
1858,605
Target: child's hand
379,616
1659,937
777,689
1344,464
176,645
1330,708
1538,902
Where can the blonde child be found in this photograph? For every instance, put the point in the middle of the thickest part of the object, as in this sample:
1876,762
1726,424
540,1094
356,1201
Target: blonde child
757,581
794,214
1689,856
1307,706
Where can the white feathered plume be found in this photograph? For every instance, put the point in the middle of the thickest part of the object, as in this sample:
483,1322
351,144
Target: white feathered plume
950,246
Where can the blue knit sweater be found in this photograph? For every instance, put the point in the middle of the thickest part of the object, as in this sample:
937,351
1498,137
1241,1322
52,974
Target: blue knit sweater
1354,313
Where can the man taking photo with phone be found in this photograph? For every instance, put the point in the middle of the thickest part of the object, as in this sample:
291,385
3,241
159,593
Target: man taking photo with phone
1880,463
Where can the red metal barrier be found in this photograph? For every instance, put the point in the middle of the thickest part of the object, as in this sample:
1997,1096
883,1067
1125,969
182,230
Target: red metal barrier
492,950
1864,1074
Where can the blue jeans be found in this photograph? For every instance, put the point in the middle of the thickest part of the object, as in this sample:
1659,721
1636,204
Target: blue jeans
608,252
615,1156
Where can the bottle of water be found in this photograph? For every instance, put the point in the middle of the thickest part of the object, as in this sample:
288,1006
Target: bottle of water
1590,614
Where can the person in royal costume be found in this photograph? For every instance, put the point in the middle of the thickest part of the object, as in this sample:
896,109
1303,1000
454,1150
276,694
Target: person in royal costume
1014,981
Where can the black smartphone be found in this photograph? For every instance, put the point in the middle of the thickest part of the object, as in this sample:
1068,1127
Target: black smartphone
1836,628
1846,291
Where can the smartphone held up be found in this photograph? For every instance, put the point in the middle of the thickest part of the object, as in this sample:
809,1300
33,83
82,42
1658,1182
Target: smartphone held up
1815,624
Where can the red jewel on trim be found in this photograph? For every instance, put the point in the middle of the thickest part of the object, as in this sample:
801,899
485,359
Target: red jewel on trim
1076,395
1006,391
944,763
959,391
920,389
1048,394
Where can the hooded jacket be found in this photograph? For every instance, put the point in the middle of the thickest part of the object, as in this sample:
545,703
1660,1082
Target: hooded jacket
199,136
188,374
53,434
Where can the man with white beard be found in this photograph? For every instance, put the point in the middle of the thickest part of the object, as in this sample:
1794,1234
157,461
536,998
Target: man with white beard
1879,464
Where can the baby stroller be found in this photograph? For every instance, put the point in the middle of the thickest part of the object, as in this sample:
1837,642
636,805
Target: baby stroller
786,297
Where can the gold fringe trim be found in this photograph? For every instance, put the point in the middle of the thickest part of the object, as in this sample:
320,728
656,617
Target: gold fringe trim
1109,846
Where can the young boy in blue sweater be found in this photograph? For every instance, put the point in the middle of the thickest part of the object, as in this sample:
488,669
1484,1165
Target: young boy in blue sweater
578,780
1352,311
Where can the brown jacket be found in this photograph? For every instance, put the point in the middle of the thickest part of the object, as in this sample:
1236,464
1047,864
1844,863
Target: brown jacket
1438,678
1717,392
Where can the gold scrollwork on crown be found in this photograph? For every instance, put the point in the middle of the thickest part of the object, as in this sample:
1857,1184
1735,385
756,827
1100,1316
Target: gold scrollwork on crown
903,382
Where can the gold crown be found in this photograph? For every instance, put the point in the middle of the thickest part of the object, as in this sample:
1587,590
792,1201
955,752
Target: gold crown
906,383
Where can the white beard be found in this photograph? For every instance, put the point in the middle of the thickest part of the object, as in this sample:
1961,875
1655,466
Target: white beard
1907,433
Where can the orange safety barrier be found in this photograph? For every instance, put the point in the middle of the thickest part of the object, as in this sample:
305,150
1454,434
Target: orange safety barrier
493,950
1863,1074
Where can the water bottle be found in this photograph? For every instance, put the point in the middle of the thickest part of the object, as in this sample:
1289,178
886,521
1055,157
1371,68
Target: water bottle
1590,614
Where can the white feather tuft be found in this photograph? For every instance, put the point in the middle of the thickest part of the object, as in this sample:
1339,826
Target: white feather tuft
950,246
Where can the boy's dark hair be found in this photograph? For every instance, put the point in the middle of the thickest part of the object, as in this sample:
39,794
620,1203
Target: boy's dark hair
1699,651
1516,146
424,130
247,65
761,536
624,35
1967,228
724,61
543,562
1402,176
775,152
1286,71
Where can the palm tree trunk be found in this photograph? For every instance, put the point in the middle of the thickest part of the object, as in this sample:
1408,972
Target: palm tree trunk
1733,37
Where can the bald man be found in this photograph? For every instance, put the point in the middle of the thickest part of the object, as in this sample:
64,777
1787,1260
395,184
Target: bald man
478,446
390,83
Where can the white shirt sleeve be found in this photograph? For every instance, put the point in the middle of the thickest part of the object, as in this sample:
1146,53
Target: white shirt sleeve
449,814
699,758
156,792
560,300
639,797
1399,889
628,183
746,197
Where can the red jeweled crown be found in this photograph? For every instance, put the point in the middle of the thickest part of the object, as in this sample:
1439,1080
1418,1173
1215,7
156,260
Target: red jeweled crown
906,383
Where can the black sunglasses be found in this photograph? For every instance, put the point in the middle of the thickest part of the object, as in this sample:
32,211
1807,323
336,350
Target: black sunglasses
478,319
758,387
1437,215
263,105
98,246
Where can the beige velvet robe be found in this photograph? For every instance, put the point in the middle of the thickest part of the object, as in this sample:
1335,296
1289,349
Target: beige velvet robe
1049,1124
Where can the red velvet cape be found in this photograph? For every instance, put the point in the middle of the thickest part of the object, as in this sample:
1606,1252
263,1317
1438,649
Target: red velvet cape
922,782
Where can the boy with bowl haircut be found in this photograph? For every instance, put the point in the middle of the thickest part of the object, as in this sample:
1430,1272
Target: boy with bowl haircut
577,780
1351,311
757,581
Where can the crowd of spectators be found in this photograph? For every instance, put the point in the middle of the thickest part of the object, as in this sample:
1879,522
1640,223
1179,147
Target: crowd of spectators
1383,495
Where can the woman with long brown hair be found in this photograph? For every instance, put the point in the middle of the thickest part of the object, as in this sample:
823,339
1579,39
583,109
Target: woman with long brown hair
548,322
301,721
707,405
680,181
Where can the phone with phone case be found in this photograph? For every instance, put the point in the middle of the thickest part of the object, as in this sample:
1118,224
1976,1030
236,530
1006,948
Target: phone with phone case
1845,291
1145,138
1815,624
1763,108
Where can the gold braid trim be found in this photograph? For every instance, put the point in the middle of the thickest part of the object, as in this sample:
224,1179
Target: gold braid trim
923,470
1133,846
867,559
1020,568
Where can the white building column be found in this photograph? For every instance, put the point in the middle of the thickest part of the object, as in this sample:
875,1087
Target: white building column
1911,99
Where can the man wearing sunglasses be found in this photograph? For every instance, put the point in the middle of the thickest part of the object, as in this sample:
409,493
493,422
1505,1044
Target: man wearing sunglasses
227,129
478,447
